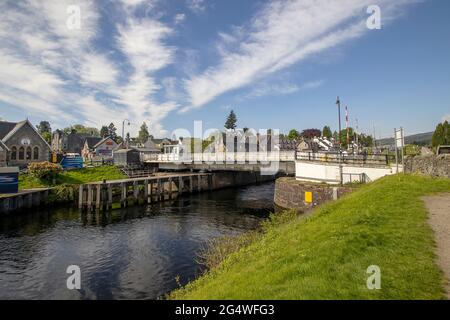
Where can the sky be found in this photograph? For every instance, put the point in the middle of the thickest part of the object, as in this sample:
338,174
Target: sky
277,64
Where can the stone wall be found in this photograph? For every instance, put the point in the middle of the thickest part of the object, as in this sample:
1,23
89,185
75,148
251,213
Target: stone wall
228,179
290,194
430,165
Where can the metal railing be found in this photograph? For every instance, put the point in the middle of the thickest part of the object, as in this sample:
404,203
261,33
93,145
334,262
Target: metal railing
222,157
342,158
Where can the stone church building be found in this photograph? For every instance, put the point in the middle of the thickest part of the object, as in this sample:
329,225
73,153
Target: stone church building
24,142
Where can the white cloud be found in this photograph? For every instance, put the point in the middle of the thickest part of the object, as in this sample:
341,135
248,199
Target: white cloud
197,6
179,18
98,69
281,34
57,73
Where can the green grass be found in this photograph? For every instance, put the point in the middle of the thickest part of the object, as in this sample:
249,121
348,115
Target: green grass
326,255
81,176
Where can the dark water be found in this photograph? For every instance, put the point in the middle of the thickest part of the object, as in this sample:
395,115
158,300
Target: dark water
135,253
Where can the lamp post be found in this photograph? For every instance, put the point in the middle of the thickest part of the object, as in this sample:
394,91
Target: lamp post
123,130
338,102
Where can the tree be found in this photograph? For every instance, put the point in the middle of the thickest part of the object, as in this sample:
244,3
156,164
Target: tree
326,132
293,135
112,131
45,131
104,132
311,133
230,124
441,135
143,133
365,140
44,126
79,128
343,136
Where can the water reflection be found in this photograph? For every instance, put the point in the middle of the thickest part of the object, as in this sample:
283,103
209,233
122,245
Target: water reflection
133,253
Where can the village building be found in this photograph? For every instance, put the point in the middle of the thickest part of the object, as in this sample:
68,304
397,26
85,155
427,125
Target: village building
24,142
72,142
97,149
88,147
161,143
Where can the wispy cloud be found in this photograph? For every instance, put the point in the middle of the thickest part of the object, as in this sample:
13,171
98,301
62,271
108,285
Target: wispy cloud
57,73
281,34
281,89
197,6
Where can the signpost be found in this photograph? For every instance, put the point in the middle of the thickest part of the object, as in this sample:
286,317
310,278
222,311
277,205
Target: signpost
399,136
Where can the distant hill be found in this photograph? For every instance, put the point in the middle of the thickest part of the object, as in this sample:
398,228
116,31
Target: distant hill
420,138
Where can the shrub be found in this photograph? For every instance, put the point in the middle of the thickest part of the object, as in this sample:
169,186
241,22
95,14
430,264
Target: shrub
44,170
64,193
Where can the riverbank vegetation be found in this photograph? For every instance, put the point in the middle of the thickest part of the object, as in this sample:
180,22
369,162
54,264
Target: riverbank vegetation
326,255
72,177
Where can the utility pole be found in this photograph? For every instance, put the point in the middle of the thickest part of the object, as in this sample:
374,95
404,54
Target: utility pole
338,102
123,132
356,135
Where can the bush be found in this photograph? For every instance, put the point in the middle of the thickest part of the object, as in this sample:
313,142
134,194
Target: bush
44,170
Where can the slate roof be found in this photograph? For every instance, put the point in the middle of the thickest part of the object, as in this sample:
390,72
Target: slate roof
92,141
101,141
6,127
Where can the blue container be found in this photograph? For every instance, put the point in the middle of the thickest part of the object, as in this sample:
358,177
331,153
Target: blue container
9,180
72,162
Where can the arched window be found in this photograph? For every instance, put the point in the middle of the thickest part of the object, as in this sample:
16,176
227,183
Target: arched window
28,153
21,153
35,153
14,153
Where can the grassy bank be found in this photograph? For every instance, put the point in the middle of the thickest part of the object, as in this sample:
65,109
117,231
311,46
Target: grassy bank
326,255
73,177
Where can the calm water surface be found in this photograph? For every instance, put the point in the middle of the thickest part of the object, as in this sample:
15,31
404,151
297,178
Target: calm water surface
135,253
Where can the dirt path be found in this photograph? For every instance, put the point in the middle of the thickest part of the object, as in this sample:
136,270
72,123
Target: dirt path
439,218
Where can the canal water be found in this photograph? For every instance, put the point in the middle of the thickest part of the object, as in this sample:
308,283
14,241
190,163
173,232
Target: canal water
133,253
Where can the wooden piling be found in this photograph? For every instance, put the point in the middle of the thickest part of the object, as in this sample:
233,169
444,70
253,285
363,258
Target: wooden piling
146,195
80,197
170,188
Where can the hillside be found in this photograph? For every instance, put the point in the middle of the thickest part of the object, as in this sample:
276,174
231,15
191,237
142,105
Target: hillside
326,255
420,138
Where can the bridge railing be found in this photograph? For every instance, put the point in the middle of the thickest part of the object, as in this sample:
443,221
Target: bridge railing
345,158
223,157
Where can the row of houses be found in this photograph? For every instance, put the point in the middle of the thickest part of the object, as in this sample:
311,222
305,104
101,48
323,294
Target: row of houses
21,143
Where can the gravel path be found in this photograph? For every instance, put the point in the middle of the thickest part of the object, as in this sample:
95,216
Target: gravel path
439,218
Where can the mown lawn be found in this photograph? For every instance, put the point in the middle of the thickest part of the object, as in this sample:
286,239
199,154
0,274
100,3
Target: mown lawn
326,255
73,177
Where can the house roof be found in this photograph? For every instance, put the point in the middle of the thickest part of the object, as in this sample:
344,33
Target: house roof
17,126
3,146
6,127
102,141
92,141
150,146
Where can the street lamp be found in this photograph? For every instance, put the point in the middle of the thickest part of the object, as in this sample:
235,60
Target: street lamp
123,129
338,102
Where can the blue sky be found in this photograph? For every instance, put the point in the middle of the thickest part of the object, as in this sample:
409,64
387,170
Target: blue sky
277,64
